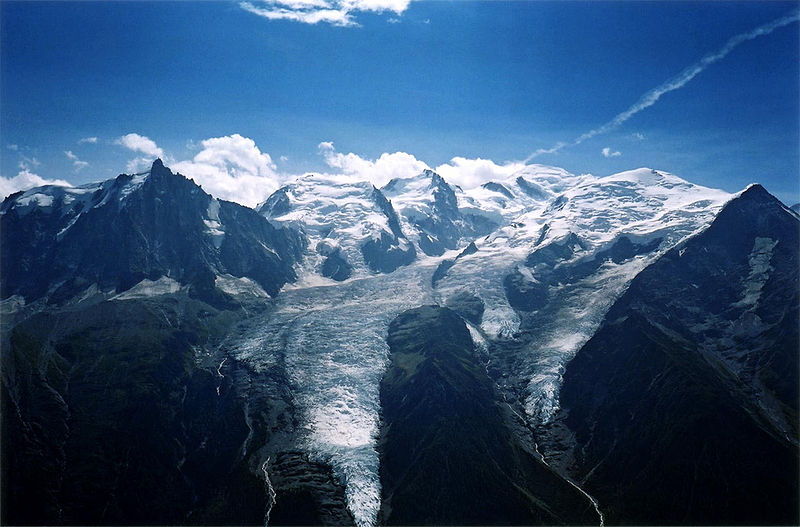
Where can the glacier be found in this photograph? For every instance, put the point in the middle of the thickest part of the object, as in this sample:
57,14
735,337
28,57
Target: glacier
330,336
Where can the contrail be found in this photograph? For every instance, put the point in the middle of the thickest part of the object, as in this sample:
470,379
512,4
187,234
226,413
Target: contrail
679,81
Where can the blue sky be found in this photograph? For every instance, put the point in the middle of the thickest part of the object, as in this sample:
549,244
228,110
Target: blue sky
435,80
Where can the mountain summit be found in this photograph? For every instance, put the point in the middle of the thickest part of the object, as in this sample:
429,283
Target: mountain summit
544,348
154,226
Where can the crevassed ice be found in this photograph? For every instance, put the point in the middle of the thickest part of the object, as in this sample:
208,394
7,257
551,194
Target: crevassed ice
333,341
642,204
331,336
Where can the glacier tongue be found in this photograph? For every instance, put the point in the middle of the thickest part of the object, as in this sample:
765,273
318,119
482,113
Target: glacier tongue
330,336
646,206
332,340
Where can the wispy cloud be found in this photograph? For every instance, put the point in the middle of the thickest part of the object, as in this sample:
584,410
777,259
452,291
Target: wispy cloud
90,140
608,153
76,162
334,12
679,81
27,163
13,147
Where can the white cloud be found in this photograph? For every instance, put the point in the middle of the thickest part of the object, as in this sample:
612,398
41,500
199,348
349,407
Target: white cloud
379,171
334,12
679,81
378,6
24,180
91,140
638,136
470,173
461,171
76,162
13,147
232,168
284,159
608,153
335,17
25,163
140,143
137,165
144,145
302,4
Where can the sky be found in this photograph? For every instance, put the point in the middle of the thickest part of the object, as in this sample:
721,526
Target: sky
241,96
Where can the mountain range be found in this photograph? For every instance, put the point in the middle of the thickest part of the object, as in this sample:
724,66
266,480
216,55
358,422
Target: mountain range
549,348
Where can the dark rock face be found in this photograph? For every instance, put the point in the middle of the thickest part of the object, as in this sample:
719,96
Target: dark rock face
447,454
111,416
390,251
165,226
386,253
684,405
500,189
550,265
446,265
277,204
307,493
107,420
445,226
532,189
336,266
469,306
386,207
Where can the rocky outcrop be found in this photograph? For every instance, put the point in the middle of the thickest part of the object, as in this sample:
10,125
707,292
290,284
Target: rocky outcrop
447,454
683,407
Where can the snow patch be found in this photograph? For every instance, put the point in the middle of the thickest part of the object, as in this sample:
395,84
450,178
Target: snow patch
760,268
213,224
239,286
37,199
148,288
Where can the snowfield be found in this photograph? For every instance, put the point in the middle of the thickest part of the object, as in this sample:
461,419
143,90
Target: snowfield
331,335
575,240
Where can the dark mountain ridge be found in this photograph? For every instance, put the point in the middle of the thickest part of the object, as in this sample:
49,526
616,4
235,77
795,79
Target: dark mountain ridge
132,228
683,407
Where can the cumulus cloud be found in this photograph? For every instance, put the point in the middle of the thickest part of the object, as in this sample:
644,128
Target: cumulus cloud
25,180
232,168
470,173
464,172
608,153
334,12
143,145
379,171
140,143
76,162
90,140
679,81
